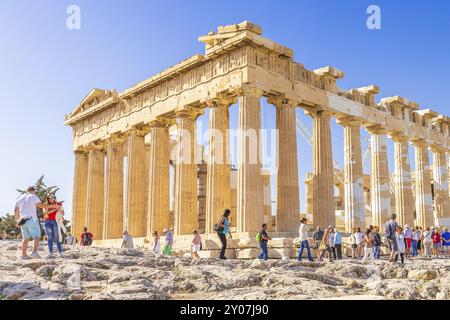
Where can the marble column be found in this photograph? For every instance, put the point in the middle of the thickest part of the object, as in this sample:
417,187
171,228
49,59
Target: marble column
159,179
288,201
424,201
440,177
379,178
113,216
218,187
136,223
323,186
95,192
79,192
353,176
250,207
404,201
185,207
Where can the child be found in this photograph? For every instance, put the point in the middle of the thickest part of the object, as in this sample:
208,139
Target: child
196,244
156,247
377,243
401,244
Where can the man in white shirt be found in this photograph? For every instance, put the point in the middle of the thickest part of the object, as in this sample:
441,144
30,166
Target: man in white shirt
25,211
303,237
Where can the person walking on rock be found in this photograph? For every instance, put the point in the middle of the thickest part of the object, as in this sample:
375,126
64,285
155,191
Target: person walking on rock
27,219
303,238
156,246
436,237
263,238
445,236
377,243
196,244
324,246
415,242
401,245
222,227
354,246
390,233
337,244
52,228
167,250
127,241
408,239
359,242
317,237
427,242
368,246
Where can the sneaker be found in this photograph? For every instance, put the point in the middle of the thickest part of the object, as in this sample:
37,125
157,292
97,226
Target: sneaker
60,255
49,256
35,254
25,257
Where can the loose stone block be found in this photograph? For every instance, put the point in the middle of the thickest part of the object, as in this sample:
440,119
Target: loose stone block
249,253
280,243
248,243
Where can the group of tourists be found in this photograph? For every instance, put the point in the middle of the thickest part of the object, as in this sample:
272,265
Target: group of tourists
402,241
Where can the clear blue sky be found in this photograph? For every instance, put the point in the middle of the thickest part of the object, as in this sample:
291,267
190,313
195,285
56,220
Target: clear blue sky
46,69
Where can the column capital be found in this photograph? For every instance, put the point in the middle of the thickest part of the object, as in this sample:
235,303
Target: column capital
376,129
80,151
437,149
282,102
247,91
348,121
421,143
160,122
399,137
98,146
221,101
115,139
188,112
318,112
139,132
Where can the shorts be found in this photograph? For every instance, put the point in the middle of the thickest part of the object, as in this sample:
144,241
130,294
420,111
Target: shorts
354,246
408,243
31,229
393,246
436,245
419,245
196,248
316,244
446,248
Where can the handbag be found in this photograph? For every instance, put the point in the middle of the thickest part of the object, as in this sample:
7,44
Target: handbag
217,227
322,245
22,221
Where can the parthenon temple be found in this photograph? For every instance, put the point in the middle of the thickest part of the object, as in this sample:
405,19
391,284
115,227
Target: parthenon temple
136,150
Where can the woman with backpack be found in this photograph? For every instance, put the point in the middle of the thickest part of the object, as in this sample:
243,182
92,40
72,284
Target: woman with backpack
222,227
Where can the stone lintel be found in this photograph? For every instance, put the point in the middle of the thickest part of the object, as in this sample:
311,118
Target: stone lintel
348,121
398,101
427,113
330,72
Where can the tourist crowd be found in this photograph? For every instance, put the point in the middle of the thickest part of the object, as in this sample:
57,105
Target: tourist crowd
404,242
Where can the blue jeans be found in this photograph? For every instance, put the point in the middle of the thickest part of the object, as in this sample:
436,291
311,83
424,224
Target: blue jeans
51,230
263,253
304,244
376,252
414,248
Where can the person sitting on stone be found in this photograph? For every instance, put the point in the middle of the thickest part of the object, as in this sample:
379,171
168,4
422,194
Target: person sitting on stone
86,238
70,240
127,242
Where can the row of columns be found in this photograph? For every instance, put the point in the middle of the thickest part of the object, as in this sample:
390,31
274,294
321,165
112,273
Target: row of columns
98,190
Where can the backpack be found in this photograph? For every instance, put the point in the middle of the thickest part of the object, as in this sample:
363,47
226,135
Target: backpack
86,239
258,237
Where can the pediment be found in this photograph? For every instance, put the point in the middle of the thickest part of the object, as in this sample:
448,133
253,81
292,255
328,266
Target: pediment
94,97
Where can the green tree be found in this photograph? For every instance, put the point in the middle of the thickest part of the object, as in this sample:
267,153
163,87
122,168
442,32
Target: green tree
8,224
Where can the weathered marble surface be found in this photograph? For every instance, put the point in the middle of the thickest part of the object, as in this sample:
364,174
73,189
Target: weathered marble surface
133,274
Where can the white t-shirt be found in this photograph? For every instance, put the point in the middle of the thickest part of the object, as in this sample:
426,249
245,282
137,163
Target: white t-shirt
27,205
303,232
359,236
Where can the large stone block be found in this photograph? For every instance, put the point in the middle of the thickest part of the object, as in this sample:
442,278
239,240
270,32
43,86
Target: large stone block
229,254
278,253
245,243
214,243
280,243
248,253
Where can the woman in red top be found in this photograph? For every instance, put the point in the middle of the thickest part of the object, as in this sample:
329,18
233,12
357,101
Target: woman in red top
436,237
51,227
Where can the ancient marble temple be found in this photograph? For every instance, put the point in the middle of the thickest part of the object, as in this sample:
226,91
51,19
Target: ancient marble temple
241,66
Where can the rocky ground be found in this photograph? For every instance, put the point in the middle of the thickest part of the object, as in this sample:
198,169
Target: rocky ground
104,273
